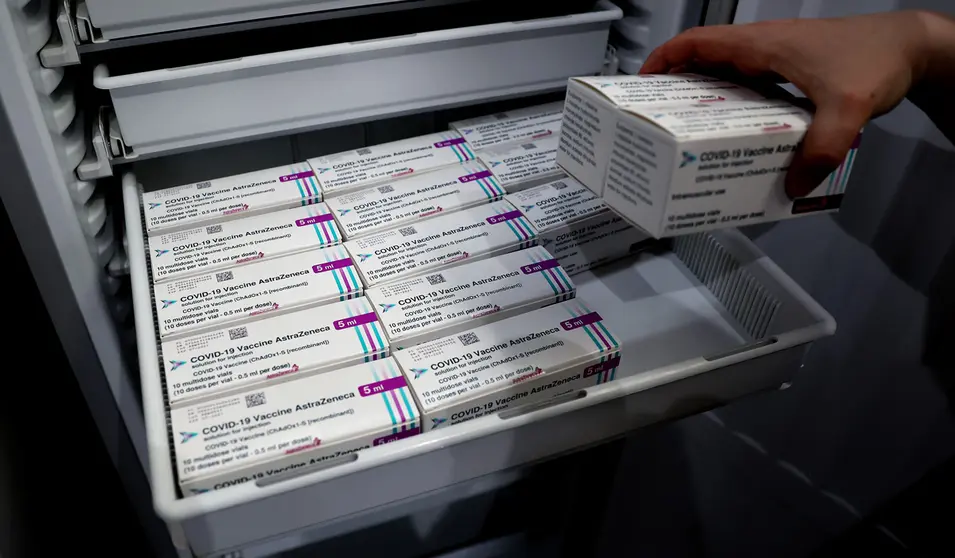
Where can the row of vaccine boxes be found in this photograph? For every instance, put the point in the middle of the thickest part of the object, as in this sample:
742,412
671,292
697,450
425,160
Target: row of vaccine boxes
282,348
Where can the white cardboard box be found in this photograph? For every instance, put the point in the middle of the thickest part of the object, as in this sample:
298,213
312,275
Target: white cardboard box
575,225
519,361
272,350
368,166
469,235
681,153
557,204
592,242
521,125
524,165
243,241
461,297
414,199
291,426
255,291
230,197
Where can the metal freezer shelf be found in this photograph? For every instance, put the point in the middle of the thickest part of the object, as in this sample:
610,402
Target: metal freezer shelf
709,322
174,109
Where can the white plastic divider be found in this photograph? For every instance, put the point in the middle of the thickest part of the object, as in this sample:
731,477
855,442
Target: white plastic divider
170,110
682,352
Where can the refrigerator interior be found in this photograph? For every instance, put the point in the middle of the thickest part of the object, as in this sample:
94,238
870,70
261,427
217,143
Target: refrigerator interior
94,122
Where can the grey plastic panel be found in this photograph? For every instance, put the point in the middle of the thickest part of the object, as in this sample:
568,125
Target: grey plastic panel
126,18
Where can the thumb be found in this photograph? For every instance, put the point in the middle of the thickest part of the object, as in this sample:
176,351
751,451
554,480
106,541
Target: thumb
826,144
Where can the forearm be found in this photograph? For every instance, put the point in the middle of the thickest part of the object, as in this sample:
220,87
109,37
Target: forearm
934,90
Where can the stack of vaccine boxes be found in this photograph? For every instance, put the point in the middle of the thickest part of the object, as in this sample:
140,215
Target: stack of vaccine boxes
677,154
295,306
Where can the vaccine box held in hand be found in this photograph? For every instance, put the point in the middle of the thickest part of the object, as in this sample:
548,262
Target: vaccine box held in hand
469,235
243,241
287,428
415,199
272,350
465,296
521,166
519,361
368,166
255,291
231,197
672,165
521,125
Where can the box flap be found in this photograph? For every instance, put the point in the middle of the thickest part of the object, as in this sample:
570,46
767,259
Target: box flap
730,119
667,89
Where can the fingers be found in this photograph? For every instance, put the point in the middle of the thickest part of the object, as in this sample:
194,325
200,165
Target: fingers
825,146
716,45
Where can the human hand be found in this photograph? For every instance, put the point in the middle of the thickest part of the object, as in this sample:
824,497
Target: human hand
852,69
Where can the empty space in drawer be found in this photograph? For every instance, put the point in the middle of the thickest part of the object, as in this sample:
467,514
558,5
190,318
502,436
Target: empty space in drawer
411,69
710,320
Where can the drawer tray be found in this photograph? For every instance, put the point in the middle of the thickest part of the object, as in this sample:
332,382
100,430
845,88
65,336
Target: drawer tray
128,18
706,323
170,110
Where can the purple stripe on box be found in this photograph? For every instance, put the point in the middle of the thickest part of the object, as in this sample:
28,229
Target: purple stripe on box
596,330
500,218
602,367
394,397
371,340
581,321
450,142
330,266
296,176
395,437
472,177
383,386
313,220
356,321
539,267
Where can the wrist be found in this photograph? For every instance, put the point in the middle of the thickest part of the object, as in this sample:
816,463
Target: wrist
934,51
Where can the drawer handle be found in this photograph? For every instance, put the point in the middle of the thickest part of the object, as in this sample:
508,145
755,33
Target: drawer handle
379,39
739,350
338,461
202,64
531,407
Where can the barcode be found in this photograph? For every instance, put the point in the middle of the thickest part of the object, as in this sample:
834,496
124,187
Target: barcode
469,338
559,185
501,116
364,151
201,185
214,229
408,231
435,279
386,189
224,276
529,146
238,333
255,399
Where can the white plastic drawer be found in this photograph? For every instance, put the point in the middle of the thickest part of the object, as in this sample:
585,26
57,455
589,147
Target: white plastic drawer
701,325
174,109
127,18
